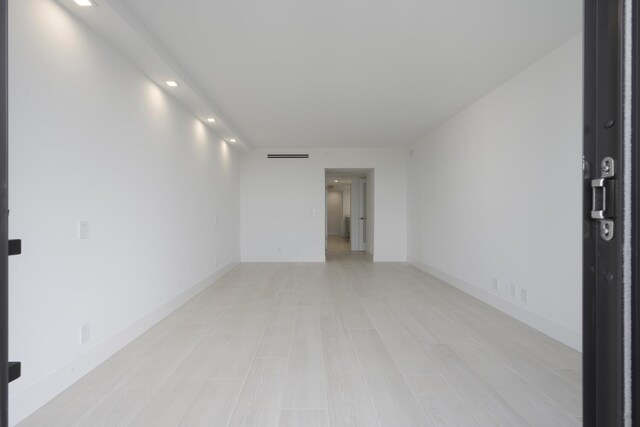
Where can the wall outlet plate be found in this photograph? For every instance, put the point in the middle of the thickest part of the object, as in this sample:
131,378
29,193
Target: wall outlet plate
85,333
496,284
83,230
513,290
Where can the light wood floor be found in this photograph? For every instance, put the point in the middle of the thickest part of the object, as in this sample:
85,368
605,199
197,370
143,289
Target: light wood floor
338,244
346,343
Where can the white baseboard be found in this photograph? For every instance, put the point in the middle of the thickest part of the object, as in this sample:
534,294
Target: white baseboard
29,400
389,257
280,258
548,327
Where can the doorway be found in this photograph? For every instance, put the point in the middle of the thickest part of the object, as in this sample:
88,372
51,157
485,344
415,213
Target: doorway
349,210
338,214
338,230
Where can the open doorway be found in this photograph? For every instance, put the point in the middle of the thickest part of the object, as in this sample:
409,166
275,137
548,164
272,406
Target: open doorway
338,223
349,210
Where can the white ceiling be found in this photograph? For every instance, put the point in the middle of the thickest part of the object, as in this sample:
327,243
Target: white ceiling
345,174
367,73
341,181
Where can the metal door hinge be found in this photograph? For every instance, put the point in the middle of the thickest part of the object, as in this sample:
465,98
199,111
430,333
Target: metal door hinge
603,198
15,247
15,371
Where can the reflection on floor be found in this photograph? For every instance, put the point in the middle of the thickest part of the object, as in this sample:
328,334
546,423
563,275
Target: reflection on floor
346,342
338,244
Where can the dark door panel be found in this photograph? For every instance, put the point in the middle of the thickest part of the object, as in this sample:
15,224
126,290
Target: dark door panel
606,168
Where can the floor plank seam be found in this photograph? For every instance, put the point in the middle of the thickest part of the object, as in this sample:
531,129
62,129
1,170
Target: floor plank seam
173,371
364,378
471,411
244,382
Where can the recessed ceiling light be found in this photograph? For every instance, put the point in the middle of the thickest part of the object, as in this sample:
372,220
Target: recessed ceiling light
335,180
172,83
211,120
232,140
84,2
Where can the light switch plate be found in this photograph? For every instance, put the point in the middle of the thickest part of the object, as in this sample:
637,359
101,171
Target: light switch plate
83,230
85,333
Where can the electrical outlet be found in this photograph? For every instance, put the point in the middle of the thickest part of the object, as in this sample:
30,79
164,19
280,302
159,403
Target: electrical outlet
513,290
524,295
496,284
83,230
85,333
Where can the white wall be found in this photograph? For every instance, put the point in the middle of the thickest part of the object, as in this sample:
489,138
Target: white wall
279,225
345,190
92,139
495,192
335,214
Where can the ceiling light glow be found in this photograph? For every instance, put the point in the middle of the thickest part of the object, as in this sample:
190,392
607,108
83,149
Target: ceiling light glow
84,2
211,120
232,140
172,83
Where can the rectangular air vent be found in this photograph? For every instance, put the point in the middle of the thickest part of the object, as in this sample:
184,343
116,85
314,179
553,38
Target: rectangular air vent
287,156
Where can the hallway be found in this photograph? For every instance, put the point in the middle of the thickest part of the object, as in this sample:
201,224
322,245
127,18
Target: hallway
348,342
338,244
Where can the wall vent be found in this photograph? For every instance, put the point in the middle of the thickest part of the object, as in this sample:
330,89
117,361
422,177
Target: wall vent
287,156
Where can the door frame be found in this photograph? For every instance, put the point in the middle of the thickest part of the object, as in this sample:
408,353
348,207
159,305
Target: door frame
610,262
356,176
4,214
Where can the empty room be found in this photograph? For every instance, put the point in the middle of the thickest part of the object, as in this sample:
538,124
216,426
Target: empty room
334,213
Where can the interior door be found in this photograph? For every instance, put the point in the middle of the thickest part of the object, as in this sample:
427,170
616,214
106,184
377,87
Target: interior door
610,213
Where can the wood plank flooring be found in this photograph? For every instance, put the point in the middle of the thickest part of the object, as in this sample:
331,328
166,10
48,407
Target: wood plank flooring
338,244
346,343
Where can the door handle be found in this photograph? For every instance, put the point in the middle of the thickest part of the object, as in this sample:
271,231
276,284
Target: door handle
362,217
